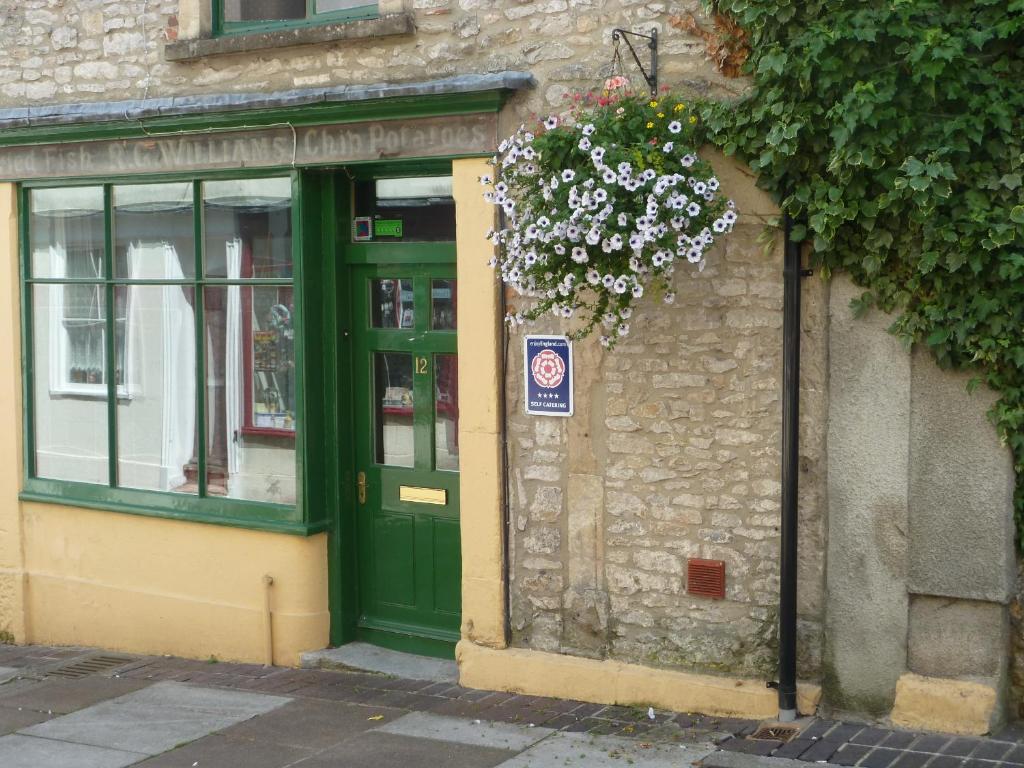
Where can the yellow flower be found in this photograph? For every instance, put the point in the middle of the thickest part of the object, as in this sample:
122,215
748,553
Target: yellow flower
661,114
650,125
679,107
693,119
653,104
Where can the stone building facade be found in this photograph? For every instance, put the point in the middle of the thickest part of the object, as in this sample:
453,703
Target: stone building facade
674,450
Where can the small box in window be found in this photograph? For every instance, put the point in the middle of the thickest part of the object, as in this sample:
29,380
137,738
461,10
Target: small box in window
362,228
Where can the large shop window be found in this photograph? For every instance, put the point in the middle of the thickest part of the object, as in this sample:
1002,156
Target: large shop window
257,15
161,323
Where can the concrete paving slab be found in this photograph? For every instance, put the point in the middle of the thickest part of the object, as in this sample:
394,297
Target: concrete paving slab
61,697
217,751
157,718
14,719
739,760
566,750
370,658
8,673
240,704
313,724
18,751
385,750
479,733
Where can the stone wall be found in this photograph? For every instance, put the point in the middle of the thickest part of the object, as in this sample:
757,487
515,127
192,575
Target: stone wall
673,453
921,567
89,50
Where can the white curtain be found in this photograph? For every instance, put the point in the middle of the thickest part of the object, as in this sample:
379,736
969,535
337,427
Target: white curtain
177,337
233,372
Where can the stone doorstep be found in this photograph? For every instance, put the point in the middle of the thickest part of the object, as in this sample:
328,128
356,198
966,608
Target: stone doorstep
364,657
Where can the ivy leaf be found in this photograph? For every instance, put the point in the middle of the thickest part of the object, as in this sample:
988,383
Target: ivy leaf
1017,214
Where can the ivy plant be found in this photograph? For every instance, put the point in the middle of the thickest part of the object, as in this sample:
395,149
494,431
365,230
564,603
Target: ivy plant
892,131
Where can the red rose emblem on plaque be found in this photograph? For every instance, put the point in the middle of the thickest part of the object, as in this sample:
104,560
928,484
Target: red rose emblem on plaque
548,369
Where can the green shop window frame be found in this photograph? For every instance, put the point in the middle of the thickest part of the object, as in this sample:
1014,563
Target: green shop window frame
308,515
222,27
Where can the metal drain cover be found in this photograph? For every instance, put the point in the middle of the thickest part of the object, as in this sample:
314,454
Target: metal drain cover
90,666
775,732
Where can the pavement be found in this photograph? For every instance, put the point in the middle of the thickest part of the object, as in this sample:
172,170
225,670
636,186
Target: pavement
85,708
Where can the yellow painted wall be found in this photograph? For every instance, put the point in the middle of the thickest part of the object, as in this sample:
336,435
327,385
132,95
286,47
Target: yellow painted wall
130,583
150,585
480,476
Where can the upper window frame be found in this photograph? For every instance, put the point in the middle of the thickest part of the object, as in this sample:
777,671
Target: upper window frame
222,28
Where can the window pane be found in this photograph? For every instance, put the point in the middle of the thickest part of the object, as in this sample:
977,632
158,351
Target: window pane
327,6
154,234
446,412
70,416
417,208
442,300
264,10
391,303
250,393
156,422
393,403
248,226
66,227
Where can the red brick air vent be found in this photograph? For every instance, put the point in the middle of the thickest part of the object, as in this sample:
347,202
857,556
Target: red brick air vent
705,578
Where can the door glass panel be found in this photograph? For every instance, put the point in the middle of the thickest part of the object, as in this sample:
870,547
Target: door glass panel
442,305
391,304
393,403
446,412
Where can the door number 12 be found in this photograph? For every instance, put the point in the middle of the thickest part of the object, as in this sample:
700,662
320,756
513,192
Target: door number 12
421,365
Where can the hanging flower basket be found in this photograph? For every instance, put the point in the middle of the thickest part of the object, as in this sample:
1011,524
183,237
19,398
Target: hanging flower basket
600,206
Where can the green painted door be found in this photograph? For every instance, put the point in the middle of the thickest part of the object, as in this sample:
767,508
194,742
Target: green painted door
406,401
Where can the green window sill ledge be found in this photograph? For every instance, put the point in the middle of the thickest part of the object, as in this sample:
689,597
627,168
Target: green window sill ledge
255,516
389,25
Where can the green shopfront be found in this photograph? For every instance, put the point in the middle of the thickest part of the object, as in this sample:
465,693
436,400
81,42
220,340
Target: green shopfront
244,321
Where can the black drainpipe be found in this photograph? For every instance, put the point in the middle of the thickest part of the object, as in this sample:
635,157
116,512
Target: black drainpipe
791,273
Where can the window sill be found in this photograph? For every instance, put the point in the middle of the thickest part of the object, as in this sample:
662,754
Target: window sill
169,506
362,29
88,391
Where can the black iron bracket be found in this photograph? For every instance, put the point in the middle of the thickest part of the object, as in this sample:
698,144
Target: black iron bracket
652,43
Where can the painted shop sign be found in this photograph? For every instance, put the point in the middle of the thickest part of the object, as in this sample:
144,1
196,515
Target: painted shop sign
268,147
547,364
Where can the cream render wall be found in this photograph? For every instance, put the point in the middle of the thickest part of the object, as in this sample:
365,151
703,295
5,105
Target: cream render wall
72,576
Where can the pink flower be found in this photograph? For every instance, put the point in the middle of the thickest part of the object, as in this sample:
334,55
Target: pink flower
616,82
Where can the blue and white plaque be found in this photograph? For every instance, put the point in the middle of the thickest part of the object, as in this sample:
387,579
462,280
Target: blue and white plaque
547,365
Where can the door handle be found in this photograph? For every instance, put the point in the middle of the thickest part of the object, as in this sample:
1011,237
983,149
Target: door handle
361,487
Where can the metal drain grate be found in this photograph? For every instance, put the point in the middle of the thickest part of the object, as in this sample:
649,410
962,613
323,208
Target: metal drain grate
89,666
775,732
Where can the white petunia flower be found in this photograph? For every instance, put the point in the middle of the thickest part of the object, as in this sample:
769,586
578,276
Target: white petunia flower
675,126
623,329
551,123
593,276
687,160
597,153
623,219
587,129
608,176
638,291
720,225
693,209
668,147
620,285
608,281
585,144
729,217
600,195
579,255
568,174
670,297
559,249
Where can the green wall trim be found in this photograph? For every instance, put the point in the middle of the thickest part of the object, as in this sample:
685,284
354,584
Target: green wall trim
322,113
233,513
